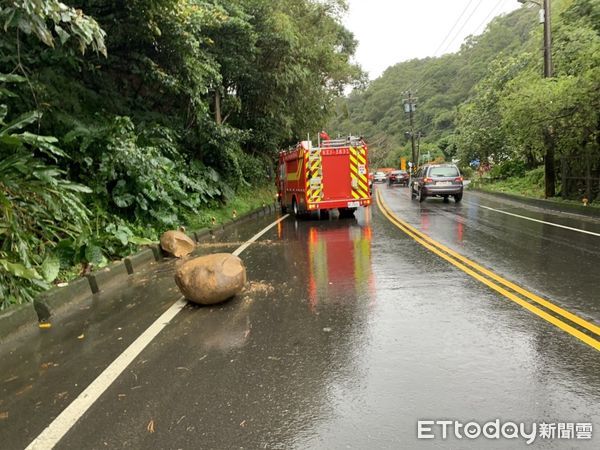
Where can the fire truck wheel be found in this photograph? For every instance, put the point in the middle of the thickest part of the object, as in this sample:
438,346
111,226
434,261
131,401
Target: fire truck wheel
295,207
320,214
347,212
283,208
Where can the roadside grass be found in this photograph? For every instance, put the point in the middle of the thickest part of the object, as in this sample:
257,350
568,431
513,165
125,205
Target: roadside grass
531,185
244,201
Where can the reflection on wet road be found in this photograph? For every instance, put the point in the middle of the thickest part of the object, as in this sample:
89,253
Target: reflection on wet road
349,332
576,326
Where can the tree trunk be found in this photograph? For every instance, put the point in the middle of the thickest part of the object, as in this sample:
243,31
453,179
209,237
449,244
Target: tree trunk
218,117
550,175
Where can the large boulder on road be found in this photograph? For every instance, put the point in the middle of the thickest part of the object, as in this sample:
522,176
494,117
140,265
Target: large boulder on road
211,279
177,243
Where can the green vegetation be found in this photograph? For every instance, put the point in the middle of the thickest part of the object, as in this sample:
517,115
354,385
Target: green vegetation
489,102
441,84
119,120
246,200
529,184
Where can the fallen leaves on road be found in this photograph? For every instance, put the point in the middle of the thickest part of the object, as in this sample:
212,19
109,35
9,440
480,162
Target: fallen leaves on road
81,336
25,389
4,415
61,396
243,424
45,325
150,426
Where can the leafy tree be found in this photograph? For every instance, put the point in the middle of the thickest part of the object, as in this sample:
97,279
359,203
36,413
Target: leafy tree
35,16
442,85
179,104
38,206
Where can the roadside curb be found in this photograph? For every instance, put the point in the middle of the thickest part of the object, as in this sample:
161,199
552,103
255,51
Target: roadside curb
49,302
52,302
543,203
17,318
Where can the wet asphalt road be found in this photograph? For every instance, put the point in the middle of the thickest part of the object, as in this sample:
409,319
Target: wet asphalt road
348,332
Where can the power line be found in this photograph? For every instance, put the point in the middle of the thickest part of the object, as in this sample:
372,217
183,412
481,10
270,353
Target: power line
463,26
480,28
422,78
419,80
419,83
453,27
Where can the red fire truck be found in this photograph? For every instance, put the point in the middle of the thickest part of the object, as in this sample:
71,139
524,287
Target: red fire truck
332,175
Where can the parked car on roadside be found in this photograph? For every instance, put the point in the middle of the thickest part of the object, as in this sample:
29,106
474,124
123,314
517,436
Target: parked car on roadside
400,177
379,177
437,180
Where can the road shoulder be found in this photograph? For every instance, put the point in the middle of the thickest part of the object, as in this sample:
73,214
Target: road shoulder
541,205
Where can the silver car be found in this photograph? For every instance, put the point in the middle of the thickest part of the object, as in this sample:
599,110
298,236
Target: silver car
379,177
437,180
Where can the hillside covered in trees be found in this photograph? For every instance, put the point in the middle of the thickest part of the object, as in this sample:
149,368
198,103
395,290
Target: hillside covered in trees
489,101
119,119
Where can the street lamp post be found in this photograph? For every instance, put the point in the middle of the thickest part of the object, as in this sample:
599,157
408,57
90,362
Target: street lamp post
550,176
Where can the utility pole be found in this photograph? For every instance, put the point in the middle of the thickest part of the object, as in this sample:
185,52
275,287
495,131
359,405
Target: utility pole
548,69
549,143
410,104
549,169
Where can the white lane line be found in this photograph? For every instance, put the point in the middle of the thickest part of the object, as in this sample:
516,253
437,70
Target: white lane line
539,221
54,432
254,238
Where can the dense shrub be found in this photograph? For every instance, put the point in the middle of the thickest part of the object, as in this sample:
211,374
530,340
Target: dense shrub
141,174
165,109
38,208
508,169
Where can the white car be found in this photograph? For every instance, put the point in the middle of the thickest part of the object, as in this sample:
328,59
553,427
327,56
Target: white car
379,177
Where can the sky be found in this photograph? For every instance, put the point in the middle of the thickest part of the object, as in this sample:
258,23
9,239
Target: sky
392,31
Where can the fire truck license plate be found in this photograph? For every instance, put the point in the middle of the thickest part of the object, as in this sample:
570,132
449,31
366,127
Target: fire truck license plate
353,204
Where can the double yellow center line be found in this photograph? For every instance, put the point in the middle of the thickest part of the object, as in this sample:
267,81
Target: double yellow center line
560,318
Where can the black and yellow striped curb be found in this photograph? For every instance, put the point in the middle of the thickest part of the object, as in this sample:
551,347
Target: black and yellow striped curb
19,318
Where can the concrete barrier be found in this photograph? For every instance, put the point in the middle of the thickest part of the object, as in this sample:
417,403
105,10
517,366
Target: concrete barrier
51,302
16,319
201,234
99,278
140,259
